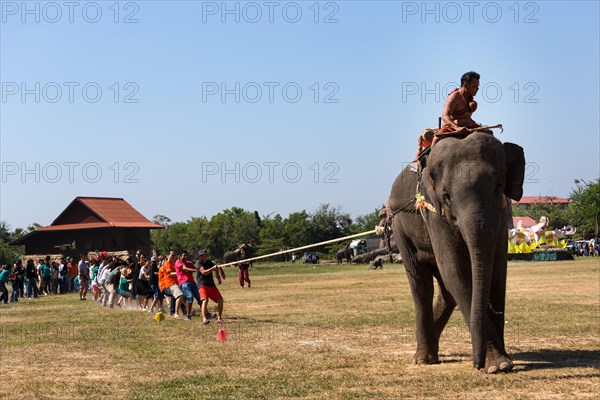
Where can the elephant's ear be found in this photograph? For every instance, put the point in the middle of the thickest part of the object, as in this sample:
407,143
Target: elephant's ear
515,171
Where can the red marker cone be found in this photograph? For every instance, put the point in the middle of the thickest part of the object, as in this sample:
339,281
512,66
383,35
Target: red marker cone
222,335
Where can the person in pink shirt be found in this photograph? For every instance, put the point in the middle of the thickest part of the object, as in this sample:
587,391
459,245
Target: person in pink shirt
185,278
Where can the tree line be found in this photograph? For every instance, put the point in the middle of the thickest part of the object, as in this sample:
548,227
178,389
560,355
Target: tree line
229,228
268,234
226,230
583,212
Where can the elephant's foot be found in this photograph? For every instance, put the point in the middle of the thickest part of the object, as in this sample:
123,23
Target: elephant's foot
426,357
496,362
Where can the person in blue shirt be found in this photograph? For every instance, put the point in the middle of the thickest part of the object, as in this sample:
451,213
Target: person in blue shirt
46,275
124,289
4,274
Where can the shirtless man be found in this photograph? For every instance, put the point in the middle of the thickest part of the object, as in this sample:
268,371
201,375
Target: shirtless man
456,115
460,104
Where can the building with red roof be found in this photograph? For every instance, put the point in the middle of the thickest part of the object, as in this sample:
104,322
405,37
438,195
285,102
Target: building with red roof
89,224
530,201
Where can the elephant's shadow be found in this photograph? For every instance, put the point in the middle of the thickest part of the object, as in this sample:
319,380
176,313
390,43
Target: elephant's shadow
556,359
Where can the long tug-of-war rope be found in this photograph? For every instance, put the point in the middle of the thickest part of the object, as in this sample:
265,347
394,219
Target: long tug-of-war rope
222,333
247,260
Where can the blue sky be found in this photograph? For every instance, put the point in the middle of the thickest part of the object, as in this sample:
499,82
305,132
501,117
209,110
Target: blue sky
184,111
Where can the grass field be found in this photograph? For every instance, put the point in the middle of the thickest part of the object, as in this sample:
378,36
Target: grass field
323,332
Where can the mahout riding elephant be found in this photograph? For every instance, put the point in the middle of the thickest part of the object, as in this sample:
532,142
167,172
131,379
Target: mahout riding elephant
345,252
458,236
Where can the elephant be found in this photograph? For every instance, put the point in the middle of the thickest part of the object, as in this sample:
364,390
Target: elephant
345,252
232,256
449,219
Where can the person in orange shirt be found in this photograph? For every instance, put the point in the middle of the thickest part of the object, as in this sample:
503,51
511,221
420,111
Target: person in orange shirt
73,272
167,281
154,285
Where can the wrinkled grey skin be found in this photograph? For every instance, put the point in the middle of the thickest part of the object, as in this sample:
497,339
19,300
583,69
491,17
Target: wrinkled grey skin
463,244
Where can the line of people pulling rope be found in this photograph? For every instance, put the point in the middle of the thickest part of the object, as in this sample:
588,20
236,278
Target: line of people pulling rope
177,278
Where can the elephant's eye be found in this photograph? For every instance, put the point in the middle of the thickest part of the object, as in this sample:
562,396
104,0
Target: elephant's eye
446,197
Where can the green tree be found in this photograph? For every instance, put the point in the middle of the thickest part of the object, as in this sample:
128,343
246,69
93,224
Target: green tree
556,213
328,222
162,220
8,253
5,234
296,229
271,235
584,209
557,216
157,236
34,226
174,237
519,211
18,233
197,234
230,228
366,222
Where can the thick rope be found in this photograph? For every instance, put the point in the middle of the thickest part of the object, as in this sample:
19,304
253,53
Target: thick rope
299,248
422,203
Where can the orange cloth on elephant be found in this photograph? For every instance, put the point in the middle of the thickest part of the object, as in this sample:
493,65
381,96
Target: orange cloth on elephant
424,143
445,129
456,114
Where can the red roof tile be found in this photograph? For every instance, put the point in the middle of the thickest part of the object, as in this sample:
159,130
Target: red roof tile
112,212
95,213
542,199
68,227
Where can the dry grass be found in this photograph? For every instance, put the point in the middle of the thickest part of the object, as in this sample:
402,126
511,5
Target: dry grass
301,332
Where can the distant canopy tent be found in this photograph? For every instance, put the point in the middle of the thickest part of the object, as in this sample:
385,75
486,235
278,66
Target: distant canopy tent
92,223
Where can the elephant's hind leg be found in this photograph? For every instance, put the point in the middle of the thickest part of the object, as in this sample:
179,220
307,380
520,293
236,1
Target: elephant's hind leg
443,308
427,339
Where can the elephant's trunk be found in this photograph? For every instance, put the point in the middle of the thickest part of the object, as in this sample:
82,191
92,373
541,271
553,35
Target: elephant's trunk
480,234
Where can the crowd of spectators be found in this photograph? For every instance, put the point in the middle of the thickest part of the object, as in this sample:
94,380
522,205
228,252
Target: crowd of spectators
42,279
585,248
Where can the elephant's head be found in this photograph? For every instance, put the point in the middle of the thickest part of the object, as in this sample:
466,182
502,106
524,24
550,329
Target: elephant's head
466,180
472,175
